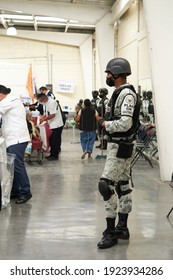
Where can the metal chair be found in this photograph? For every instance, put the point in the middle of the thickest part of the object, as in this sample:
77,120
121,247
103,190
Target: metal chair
145,135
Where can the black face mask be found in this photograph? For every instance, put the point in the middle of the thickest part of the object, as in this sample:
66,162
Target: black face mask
110,82
95,96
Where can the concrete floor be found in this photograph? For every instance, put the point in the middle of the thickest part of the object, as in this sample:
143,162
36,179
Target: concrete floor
65,218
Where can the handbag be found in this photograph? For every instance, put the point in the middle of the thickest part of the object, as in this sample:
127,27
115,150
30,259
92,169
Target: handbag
64,118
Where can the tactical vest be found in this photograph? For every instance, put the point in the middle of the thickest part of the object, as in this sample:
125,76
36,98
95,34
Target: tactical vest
110,115
87,119
94,103
101,107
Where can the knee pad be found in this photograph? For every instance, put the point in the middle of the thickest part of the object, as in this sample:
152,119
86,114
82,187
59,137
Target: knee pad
119,189
104,189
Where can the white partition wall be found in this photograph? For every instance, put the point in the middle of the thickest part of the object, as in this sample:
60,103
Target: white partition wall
86,51
105,45
159,22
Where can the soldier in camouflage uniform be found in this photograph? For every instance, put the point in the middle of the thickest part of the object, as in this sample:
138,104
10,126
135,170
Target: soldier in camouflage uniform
119,125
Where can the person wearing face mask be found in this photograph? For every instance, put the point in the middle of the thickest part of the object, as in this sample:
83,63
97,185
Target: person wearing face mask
16,136
95,99
53,116
119,124
101,109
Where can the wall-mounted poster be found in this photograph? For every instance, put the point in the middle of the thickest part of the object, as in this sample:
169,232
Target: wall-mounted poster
65,86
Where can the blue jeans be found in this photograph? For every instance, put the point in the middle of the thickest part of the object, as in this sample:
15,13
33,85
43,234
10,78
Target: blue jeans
21,184
87,139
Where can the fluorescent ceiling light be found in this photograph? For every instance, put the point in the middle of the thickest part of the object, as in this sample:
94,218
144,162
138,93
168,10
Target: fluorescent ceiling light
50,19
51,23
23,21
82,25
16,16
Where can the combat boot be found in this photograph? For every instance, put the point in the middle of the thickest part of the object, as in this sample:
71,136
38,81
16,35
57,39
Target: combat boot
109,238
99,146
104,146
121,229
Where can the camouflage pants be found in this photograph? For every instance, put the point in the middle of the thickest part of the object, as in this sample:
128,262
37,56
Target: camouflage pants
117,169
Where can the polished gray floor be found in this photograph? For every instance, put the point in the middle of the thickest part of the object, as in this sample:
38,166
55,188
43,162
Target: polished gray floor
65,218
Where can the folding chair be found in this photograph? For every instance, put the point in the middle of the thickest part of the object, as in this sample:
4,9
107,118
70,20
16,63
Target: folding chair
145,135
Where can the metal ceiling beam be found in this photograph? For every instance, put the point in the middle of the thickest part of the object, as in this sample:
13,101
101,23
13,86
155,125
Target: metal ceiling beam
4,23
35,23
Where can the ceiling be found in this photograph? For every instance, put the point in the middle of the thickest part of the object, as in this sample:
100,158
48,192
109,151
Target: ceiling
69,16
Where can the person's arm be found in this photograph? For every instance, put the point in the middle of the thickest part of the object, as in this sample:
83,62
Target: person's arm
97,116
77,119
46,118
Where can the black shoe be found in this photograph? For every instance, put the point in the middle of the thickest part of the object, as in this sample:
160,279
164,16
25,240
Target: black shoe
23,198
122,233
51,158
40,162
108,240
14,195
48,157
29,162
99,146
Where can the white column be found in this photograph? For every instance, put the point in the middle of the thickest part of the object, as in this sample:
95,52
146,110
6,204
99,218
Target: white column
105,44
87,65
159,22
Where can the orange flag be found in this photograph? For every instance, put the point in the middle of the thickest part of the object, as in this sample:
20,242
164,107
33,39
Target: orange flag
29,84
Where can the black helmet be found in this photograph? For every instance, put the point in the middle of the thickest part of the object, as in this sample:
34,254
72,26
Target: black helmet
103,90
117,66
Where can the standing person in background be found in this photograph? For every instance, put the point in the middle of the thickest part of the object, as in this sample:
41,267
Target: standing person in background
95,100
16,135
101,108
77,108
150,106
120,127
145,105
94,103
87,118
54,118
47,92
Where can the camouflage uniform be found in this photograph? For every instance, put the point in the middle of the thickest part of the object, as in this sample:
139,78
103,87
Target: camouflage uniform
118,169
120,123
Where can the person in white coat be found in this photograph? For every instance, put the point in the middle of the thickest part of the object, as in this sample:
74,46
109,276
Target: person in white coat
52,115
16,135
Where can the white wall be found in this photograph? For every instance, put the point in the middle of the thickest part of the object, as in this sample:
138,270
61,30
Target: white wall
51,62
105,46
86,51
14,76
132,43
159,23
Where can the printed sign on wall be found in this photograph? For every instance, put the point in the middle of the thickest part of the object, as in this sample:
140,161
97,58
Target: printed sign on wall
65,86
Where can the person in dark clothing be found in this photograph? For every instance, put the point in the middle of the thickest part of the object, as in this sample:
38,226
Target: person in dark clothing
101,109
36,106
46,91
87,118
53,117
95,100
